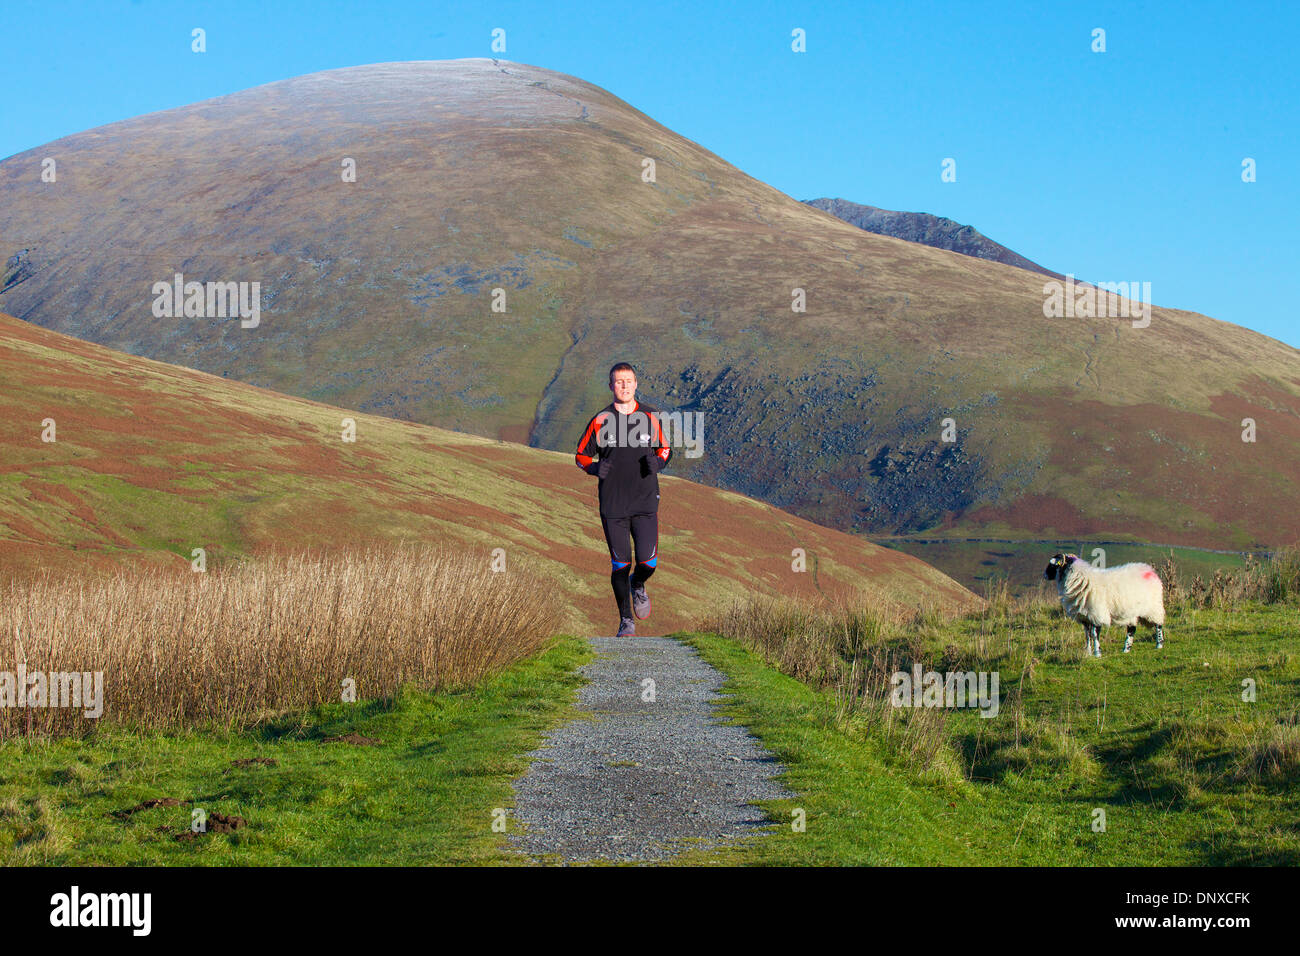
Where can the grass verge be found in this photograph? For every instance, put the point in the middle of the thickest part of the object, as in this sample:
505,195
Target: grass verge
424,794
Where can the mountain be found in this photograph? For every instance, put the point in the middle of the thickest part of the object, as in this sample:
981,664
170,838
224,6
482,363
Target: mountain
150,461
928,230
481,175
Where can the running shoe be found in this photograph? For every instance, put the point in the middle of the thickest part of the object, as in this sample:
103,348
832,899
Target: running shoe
641,603
626,628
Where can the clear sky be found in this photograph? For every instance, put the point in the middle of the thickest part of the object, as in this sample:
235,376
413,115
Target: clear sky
1122,165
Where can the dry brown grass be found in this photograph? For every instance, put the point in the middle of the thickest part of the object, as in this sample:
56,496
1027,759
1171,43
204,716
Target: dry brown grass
853,649
821,643
1273,579
234,646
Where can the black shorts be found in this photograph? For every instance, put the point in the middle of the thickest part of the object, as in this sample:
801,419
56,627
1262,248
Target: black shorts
644,531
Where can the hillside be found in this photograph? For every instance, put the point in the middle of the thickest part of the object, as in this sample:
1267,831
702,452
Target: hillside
936,231
475,175
152,460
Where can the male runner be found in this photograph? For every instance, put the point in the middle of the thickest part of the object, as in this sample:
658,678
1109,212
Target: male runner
624,446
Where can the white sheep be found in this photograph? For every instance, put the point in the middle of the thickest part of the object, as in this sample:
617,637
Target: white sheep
1099,597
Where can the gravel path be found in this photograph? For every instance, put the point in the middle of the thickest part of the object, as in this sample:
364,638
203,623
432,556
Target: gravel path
628,777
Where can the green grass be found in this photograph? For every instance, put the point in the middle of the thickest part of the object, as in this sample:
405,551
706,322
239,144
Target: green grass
1161,741
425,795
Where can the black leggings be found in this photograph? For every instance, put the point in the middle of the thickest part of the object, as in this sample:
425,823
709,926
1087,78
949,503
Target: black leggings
644,531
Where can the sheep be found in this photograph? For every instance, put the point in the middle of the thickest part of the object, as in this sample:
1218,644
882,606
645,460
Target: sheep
1099,597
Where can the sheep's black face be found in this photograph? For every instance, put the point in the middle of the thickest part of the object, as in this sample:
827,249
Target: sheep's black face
1055,566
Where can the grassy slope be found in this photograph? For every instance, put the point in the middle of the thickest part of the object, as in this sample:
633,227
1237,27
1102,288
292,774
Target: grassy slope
426,794
1066,427
153,460
1150,738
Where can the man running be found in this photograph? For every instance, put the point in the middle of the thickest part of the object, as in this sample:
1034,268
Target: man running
624,446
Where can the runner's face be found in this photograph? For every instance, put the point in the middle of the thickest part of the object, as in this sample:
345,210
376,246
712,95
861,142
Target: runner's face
624,386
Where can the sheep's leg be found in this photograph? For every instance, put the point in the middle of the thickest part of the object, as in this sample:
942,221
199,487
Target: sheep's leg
1128,640
1087,634
1096,637
1160,637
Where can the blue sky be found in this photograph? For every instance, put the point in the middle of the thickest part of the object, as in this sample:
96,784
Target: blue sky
1123,165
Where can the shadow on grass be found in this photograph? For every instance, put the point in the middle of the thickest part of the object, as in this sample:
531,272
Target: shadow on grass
331,721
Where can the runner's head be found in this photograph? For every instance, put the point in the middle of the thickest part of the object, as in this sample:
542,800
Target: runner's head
622,382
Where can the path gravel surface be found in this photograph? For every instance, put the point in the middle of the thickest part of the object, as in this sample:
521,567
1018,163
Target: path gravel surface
631,778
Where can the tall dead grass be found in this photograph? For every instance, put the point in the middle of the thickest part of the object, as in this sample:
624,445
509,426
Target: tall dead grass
1273,579
824,644
234,646
854,650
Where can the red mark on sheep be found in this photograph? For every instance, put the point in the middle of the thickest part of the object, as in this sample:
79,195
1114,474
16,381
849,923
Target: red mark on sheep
1148,575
